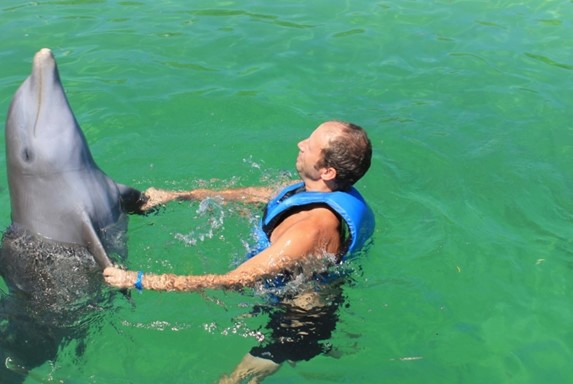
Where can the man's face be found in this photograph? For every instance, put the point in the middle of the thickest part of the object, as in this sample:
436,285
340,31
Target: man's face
310,151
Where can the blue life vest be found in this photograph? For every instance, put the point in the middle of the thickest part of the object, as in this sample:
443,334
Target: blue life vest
350,206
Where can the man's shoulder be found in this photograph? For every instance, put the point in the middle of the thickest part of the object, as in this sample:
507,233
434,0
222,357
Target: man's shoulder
310,218
321,215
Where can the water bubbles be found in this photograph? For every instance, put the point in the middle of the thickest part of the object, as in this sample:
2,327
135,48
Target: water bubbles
239,328
210,327
157,325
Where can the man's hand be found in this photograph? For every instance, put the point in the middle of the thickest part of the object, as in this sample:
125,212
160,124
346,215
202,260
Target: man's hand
119,278
159,196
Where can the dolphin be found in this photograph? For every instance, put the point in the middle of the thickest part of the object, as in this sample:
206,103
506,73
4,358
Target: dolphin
68,219
56,189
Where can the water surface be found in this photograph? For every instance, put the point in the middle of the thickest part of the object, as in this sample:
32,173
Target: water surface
467,107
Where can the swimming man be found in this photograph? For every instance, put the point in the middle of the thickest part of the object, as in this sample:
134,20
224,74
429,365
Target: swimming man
307,228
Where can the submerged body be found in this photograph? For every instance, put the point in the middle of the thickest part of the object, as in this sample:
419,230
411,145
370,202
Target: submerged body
67,218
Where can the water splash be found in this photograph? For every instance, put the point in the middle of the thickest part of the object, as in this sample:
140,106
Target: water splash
268,176
252,163
210,217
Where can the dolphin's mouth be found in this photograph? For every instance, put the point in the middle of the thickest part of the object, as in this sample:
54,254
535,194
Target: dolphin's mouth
41,59
40,96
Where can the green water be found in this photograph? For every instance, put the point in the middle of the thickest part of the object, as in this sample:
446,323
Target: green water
467,106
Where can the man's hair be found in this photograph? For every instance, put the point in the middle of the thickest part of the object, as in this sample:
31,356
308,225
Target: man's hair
349,153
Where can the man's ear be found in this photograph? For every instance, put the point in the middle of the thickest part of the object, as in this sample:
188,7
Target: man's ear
328,174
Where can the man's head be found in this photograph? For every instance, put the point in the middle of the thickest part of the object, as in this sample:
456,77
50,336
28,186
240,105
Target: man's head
336,153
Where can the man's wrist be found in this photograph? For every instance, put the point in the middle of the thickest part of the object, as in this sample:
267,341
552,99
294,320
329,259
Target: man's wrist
139,281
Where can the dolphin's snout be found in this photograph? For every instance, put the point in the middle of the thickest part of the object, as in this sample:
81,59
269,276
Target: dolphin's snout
44,63
42,54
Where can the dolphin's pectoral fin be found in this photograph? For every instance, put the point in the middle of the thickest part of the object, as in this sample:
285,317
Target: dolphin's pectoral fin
131,199
94,244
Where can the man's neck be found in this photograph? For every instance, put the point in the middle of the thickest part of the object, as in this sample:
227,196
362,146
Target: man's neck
316,186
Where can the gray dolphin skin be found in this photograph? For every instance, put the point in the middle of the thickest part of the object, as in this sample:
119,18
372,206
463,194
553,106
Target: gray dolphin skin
68,217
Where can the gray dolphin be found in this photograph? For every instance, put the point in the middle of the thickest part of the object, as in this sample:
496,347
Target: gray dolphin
56,189
68,217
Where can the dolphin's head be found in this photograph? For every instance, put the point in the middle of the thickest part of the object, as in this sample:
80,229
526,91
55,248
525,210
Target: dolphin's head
42,135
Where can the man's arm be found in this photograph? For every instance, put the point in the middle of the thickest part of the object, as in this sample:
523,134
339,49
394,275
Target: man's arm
247,195
306,245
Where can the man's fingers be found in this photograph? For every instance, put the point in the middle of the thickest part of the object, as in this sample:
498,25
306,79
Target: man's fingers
115,276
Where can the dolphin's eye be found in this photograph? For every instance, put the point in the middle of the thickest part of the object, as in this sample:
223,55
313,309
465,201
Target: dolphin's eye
27,155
